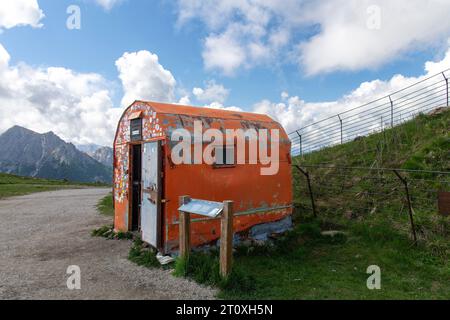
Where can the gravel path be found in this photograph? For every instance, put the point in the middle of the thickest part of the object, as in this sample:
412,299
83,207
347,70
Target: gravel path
44,233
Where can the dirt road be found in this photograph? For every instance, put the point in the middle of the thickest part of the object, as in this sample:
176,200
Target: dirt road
44,233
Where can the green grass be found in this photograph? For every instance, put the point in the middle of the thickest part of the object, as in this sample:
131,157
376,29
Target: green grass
105,206
303,264
108,232
204,268
143,256
422,143
320,269
11,185
306,265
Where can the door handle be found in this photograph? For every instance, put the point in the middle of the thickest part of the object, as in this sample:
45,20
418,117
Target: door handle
153,196
152,192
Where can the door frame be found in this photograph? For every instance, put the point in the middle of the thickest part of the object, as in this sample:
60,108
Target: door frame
130,185
159,235
161,206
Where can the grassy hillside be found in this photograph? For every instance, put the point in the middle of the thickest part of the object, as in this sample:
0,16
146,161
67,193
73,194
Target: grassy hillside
11,185
369,209
343,187
422,143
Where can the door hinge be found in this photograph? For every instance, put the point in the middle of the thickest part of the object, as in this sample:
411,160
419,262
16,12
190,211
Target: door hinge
164,200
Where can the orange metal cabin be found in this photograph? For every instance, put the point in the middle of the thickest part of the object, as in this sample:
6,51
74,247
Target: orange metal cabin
147,184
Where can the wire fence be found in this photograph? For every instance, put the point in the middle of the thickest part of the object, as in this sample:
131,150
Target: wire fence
373,117
358,192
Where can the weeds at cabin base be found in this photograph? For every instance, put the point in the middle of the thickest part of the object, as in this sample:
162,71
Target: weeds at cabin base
143,256
109,233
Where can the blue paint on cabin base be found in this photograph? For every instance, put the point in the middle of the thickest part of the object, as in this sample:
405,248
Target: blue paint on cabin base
262,232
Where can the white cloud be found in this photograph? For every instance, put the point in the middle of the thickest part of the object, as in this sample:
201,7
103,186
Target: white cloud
242,33
294,113
223,52
211,93
184,100
76,106
4,57
337,34
434,67
108,4
79,107
345,41
143,78
20,13
220,106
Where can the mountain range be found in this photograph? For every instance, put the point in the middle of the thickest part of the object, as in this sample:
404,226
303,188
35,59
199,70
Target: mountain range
102,154
27,153
89,148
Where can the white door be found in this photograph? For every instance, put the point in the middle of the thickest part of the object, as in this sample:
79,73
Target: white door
151,194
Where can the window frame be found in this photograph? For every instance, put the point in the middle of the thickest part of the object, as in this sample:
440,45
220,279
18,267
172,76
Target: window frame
224,149
133,128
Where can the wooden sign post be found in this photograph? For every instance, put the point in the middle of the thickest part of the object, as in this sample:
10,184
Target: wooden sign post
185,229
226,239
189,206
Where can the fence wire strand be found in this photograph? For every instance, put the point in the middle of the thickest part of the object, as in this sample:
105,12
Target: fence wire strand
373,117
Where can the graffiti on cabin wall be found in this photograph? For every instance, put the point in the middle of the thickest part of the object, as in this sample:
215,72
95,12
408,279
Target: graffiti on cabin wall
151,128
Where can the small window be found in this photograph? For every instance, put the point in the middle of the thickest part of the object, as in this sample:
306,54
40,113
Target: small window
225,156
136,129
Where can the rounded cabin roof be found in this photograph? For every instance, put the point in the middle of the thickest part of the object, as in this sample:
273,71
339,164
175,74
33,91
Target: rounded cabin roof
163,112
166,108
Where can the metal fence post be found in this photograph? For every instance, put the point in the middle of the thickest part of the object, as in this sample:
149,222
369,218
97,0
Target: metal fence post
301,142
392,112
408,200
446,81
226,239
185,229
308,179
411,104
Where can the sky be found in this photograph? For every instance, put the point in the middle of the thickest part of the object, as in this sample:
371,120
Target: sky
73,66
